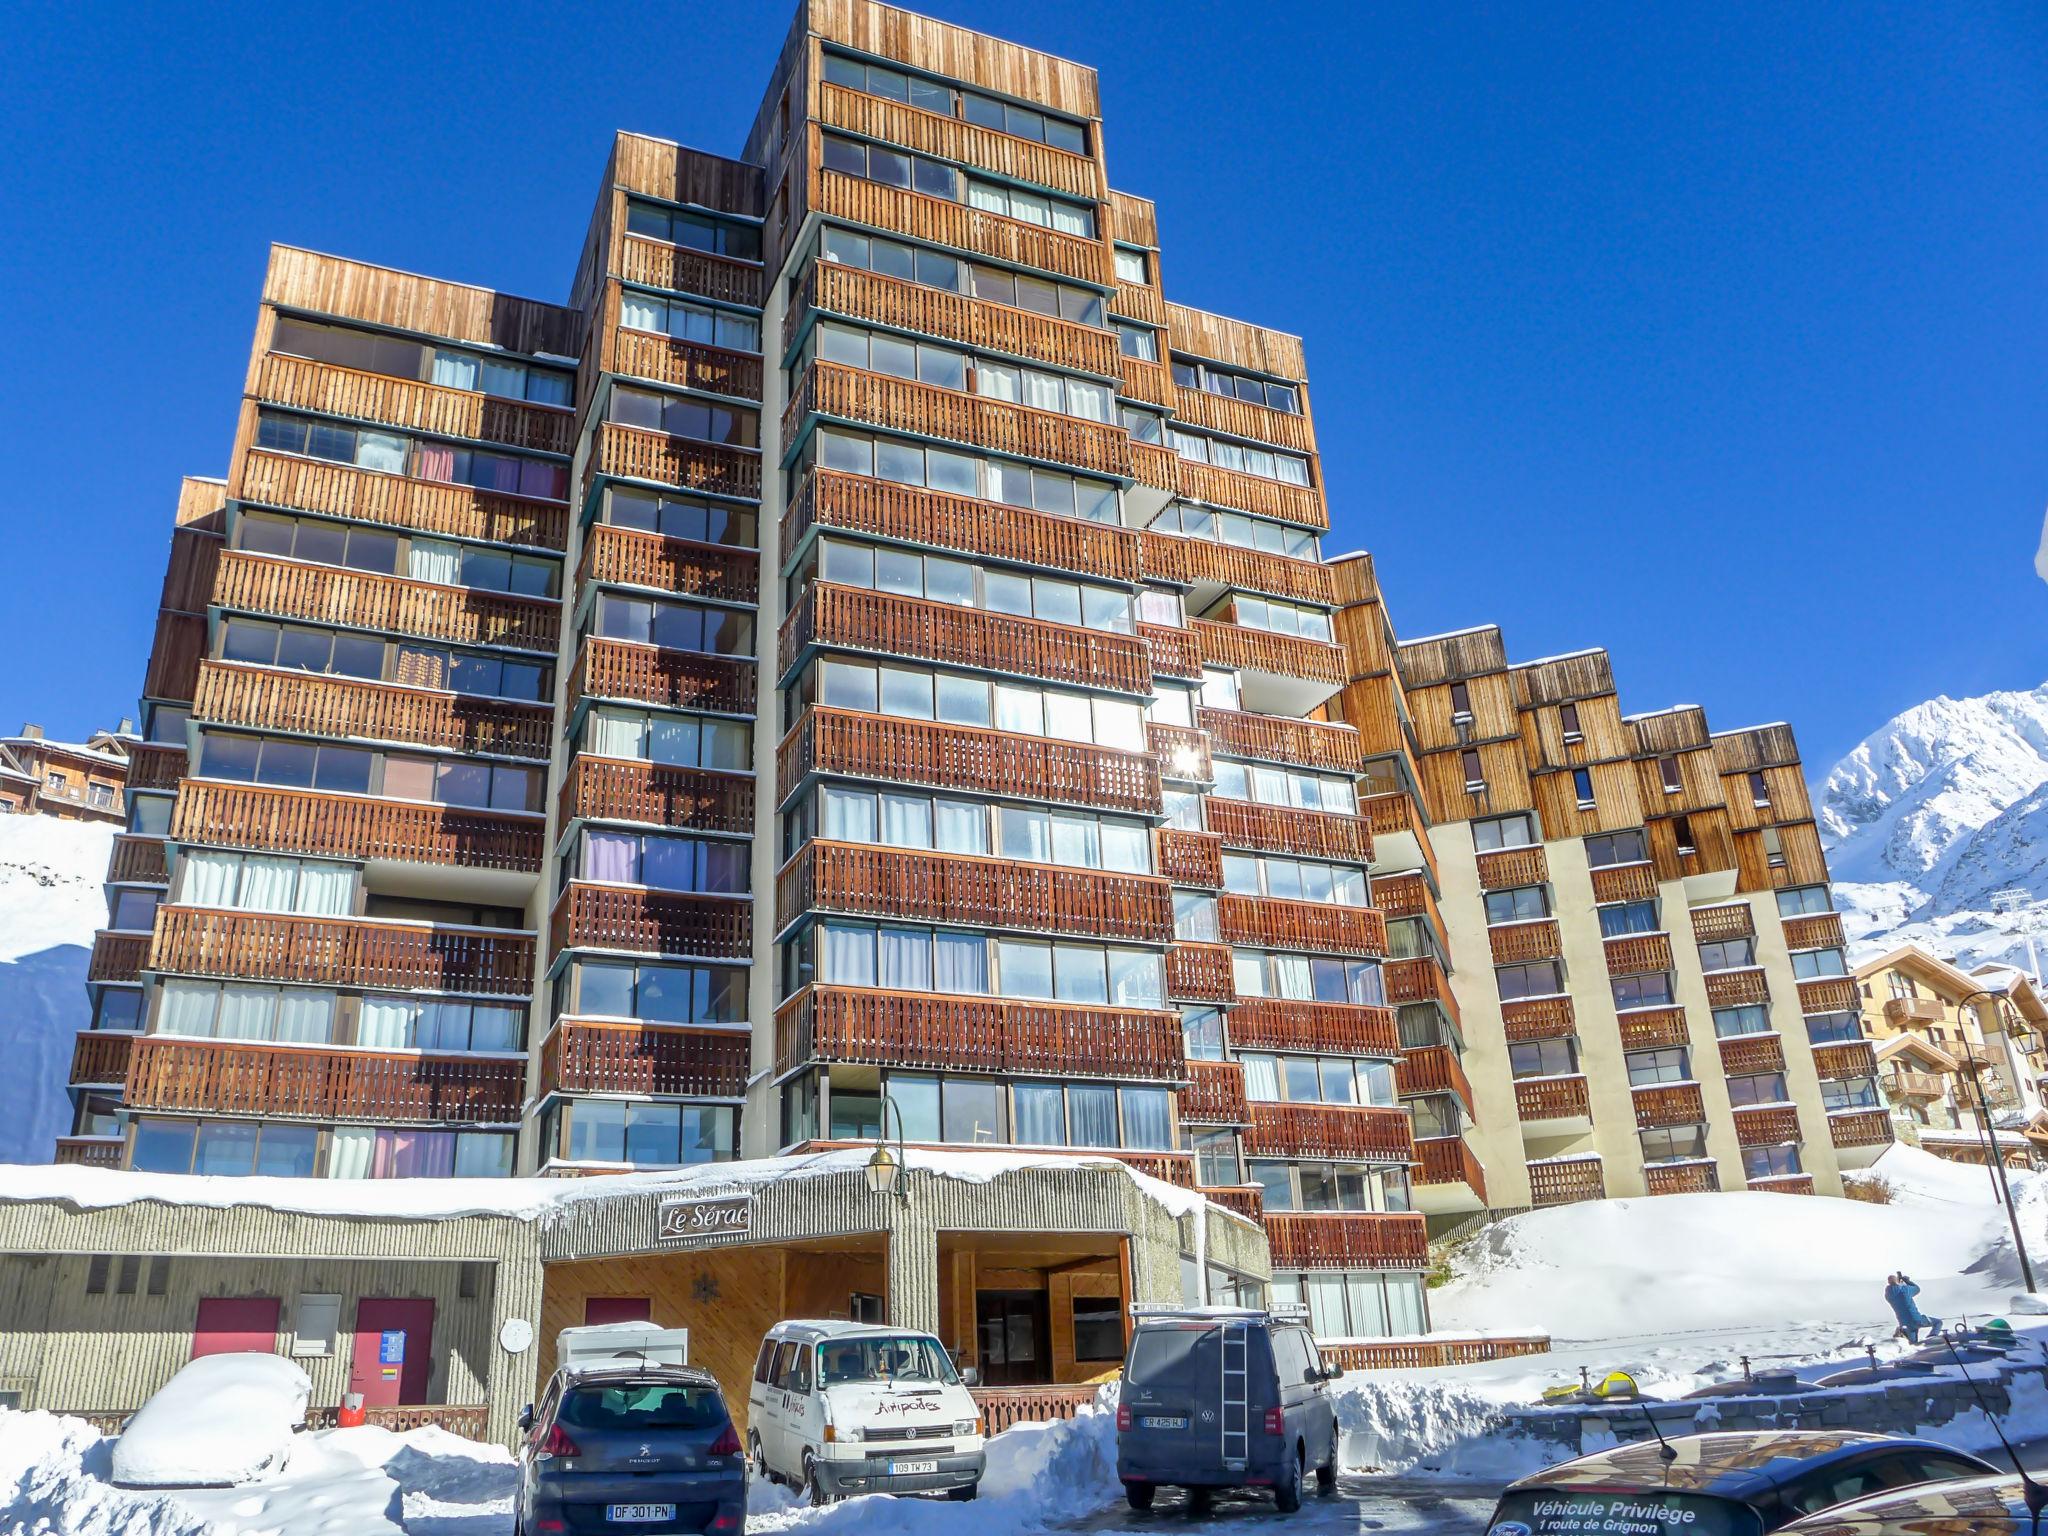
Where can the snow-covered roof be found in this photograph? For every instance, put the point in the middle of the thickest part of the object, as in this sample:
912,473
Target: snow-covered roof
74,748
1915,1045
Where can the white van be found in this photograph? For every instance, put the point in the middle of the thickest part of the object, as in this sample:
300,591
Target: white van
842,1408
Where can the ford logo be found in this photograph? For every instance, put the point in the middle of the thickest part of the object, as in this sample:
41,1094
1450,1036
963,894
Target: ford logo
1509,1528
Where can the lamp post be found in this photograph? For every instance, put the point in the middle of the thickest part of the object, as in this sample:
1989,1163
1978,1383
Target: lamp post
887,1172
1990,1130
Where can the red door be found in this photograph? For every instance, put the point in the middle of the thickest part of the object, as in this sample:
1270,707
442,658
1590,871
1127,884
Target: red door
229,1324
394,1350
616,1309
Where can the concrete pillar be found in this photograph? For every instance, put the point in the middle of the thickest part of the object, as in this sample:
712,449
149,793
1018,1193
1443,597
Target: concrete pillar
512,1381
914,1259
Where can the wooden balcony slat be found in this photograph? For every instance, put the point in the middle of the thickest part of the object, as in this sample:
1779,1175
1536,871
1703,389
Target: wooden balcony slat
1669,1104
89,1152
428,506
99,1058
342,952
657,264
1339,1131
1138,301
633,558
1818,930
1426,1069
590,1056
1514,943
951,138
1625,882
1174,652
1419,979
647,674
1280,829
974,230
977,891
1147,381
1258,650
1404,895
1199,973
1681,1178
1537,1018
1278,739
1552,1098
1194,562
657,795
353,826
1214,1094
322,594
1749,1054
1566,1182
1766,1125
138,861
312,704
634,453
1335,1029
652,922
1638,953
1503,868
1248,1201
1386,1240
337,391
1268,922
686,364
1449,1160
1157,466
282,1082
978,323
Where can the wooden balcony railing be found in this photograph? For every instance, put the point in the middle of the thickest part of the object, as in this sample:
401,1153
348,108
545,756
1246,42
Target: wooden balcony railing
1860,1128
657,264
1644,1029
1206,563
1183,752
975,421
838,741
99,1058
1427,1354
862,504
630,557
1766,1125
354,826
657,794
1199,973
885,624
957,225
1681,1178
1240,418
1191,858
976,323
592,1056
970,889
1214,1094
1139,301
1784,1184
1175,1168
1552,1098
686,364
1505,867
1638,953
1146,381
1730,920
1902,1012
1258,650
152,765
1248,1200
298,1083
342,952
1625,882
1733,989
1385,1240
652,922
1420,979
932,133
397,501
1277,739
1449,1160
1268,922
1278,829
1004,1408
1901,1084
1404,895
310,704
1234,490
1818,930
1173,651
1334,1029
90,1152
1155,465
337,391
977,1034
120,956
1565,1181
1828,994
1747,1055
1339,1131
1433,1069
325,594
140,861
634,453
1669,1104
1513,943
647,674
1537,1018
1846,1058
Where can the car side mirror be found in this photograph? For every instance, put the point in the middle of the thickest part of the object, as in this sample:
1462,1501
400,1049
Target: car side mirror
1333,1372
969,1376
526,1419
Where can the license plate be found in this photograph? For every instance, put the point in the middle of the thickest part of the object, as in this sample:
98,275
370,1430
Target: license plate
639,1514
1179,1421
903,1468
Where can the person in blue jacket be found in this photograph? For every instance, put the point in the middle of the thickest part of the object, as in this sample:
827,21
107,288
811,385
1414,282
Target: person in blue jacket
1899,1291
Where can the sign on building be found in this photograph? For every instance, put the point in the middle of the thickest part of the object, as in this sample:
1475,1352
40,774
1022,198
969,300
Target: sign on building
706,1219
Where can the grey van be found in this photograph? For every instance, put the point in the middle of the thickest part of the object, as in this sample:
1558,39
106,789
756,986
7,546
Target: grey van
1219,1397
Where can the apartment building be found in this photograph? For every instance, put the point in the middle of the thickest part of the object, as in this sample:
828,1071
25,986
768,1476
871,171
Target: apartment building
71,780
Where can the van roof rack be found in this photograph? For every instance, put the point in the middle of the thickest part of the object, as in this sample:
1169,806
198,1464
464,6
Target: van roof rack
1191,1309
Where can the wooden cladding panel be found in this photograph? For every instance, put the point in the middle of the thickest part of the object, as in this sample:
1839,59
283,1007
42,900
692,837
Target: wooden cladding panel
1566,1181
1336,1029
586,1056
646,674
1275,923
289,589
952,138
1712,846
174,656
296,1083
1277,829
1601,736
978,323
1461,656
652,922
428,506
941,48
353,827
1329,1130
1194,562
1785,798
1237,342
1762,746
982,892
387,400
1391,1241
630,557
973,230
313,705
1802,860
633,453
1489,714
1277,739
1564,815
353,290
657,794
679,174
1503,781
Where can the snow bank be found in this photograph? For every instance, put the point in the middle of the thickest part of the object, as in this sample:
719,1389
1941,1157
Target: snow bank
223,1419
51,873
53,1478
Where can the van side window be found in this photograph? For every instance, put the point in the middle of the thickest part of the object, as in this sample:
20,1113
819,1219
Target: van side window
785,1358
764,1363
801,1375
1290,1355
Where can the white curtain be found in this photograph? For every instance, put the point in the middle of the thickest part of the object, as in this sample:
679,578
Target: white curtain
432,560
245,1013
906,959
305,1018
997,382
1368,1306
675,741
483,1155
348,1152
493,1029
326,890
614,733
846,956
1248,972
1088,401
1042,391
981,194
1070,220
849,815
454,370
444,1027
1404,1305
962,827
1261,1079
187,1008
506,380
380,451
961,963
267,884
386,1023
1326,1305
642,312
207,878
906,821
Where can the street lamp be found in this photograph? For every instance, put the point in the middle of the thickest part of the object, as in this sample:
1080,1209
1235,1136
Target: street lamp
1990,1130
887,1172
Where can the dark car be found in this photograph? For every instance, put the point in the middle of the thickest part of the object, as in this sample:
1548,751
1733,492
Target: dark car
1217,1397
1981,1506
647,1449
1720,1485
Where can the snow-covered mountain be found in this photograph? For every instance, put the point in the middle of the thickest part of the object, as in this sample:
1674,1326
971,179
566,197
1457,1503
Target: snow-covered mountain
1939,819
50,905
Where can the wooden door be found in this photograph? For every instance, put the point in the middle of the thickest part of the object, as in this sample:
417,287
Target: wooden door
393,1358
232,1324
1015,1342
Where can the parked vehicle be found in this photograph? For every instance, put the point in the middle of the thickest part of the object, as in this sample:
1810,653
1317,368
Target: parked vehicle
630,1446
839,1408
223,1419
1221,1397
1721,1484
1983,1506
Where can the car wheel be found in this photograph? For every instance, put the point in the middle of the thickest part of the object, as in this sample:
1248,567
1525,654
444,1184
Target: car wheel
814,1485
1139,1495
1326,1474
1200,1499
1287,1492
964,1495
754,1455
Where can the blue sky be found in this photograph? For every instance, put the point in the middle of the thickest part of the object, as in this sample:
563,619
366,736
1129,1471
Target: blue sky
1715,335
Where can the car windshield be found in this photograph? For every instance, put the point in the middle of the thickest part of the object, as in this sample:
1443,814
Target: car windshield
1173,1359
910,1358
643,1405
1576,1512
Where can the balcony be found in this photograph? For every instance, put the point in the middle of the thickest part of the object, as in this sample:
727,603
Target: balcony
1625,882
1514,943
589,1056
1449,1177
1211,568
1240,418
1433,1069
1237,491
310,704
1199,973
99,1059
1646,1029
1784,1184
1914,1087
652,922
1247,1200
120,956
1405,895
1146,381
1387,1240
630,558
1183,752
1566,1181
881,623
1268,922
1735,989
140,861
1400,833
974,421
152,765
1214,1094
977,1034
1174,652
972,890
325,594
863,746
1747,1055
646,674
424,506
1818,930
932,133
343,952
1730,920
978,323
1828,994
1665,1104
1138,301
1502,868
683,463
1278,739
393,402
685,364
1155,474
1332,1029
1277,674
656,795
1280,829
657,264
1354,1133
354,827
1859,1128
944,222
1638,954
286,1082
1553,1106
1767,1125
1537,1018
1848,1058
1191,858
1681,1178
832,499
1905,1012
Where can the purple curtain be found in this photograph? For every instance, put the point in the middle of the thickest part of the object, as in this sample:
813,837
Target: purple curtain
609,856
